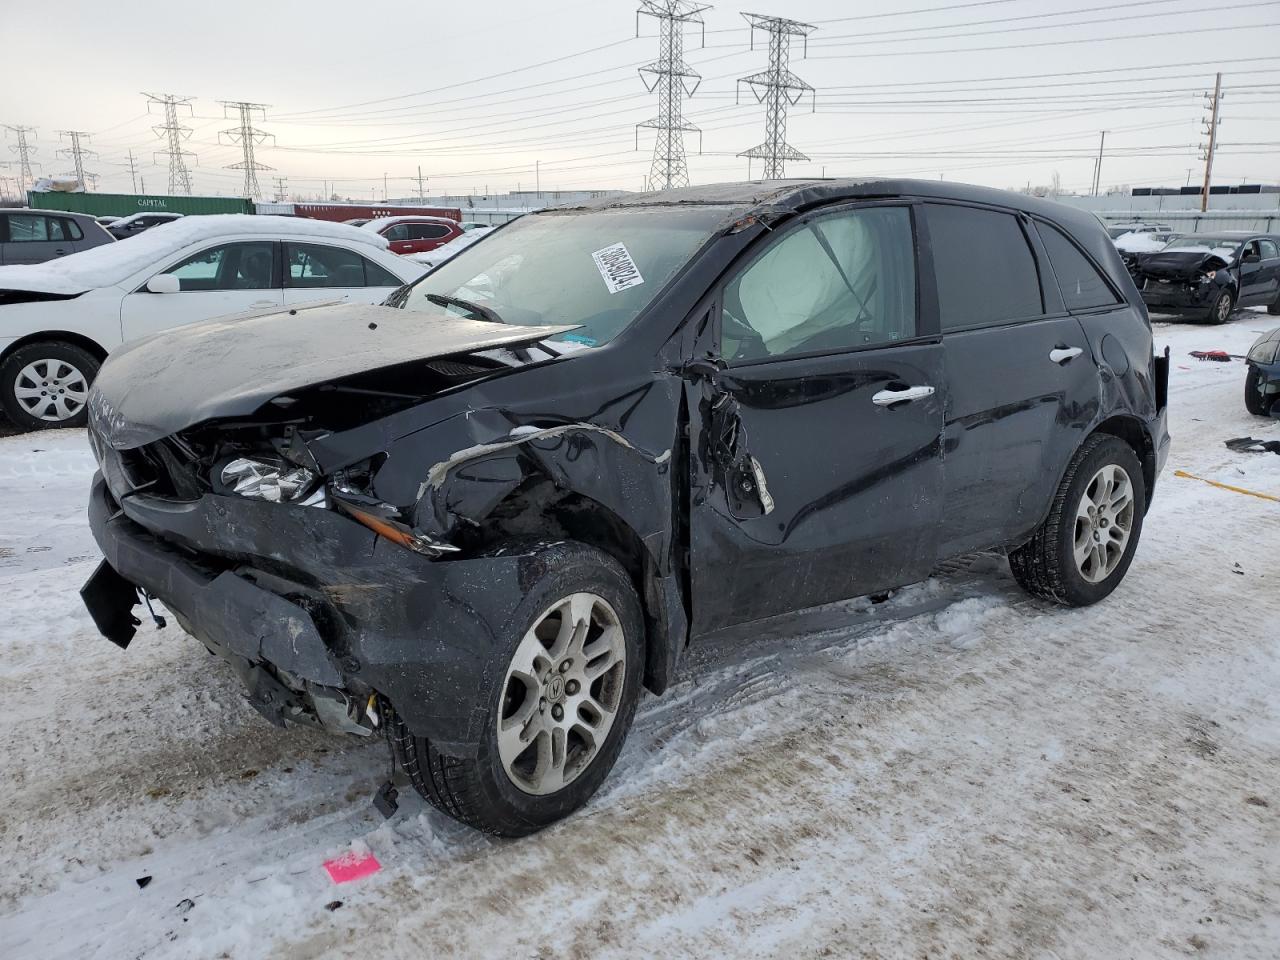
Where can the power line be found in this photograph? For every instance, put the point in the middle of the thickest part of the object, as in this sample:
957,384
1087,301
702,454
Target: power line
76,154
777,88
672,78
174,133
248,137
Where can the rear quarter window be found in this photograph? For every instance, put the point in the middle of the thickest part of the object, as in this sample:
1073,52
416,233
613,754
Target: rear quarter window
985,271
1082,286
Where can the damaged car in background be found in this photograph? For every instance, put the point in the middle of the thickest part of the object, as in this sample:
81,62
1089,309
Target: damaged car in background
1209,275
479,519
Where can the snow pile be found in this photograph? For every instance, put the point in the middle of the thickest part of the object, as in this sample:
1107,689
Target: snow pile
114,262
433,258
1139,243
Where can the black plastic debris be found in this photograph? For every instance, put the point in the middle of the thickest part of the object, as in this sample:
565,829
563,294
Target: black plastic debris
1250,445
143,881
384,801
333,905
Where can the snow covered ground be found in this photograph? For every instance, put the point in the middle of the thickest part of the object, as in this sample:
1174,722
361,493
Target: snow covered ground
958,772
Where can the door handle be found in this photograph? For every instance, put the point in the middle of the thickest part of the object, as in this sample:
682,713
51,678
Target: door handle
263,303
59,253
887,398
1061,355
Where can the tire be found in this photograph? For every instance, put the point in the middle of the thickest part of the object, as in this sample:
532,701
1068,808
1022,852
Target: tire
1220,312
1274,308
1254,400
480,791
68,368
1047,567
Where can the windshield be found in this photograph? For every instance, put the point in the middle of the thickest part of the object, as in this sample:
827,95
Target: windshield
1218,246
598,270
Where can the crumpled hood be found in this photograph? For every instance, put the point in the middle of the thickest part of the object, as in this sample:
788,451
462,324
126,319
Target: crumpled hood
156,386
1181,264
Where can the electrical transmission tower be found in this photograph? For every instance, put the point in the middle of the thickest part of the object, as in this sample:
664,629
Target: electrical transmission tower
282,189
673,79
133,170
422,184
76,154
777,88
174,133
1210,148
24,151
248,137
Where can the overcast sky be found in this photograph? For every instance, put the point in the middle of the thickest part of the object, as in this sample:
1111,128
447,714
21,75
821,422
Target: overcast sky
466,90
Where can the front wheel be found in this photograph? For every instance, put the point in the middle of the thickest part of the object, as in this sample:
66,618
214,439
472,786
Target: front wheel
1255,401
561,693
44,385
1084,547
1220,312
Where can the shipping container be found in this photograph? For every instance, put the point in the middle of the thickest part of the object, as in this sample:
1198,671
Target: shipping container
340,212
123,204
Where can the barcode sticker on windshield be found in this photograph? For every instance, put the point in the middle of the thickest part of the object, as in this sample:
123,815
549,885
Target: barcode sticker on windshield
617,268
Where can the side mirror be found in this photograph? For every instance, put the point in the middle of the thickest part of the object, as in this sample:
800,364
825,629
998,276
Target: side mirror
164,283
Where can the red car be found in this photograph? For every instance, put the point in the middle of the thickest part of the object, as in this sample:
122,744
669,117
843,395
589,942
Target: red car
416,234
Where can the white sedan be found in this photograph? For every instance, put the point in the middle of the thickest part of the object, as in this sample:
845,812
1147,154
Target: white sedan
59,320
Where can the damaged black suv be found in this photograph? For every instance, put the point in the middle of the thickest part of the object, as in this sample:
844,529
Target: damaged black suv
479,518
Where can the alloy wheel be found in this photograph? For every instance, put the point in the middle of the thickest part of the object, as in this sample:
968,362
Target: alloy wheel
1104,520
50,389
561,693
1224,308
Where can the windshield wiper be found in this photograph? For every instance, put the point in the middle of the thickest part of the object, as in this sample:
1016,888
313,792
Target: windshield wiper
482,313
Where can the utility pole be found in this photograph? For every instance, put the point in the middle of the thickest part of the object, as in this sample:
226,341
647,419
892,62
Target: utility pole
282,192
133,171
1212,145
537,178
248,137
1097,166
777,88
673,79
76,154
421,181
24,150
174,133
386,194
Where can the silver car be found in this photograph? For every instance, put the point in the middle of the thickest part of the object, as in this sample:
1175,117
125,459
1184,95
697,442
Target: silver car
34,236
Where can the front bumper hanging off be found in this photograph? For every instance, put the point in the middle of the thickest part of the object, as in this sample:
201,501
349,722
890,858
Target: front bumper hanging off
305,599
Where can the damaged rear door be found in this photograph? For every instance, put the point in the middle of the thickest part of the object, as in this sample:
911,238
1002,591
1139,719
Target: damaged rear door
816,428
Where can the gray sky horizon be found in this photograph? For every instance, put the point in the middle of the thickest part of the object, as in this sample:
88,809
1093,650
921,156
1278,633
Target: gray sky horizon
486,98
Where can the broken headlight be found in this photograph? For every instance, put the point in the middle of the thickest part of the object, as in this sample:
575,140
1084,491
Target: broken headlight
278,482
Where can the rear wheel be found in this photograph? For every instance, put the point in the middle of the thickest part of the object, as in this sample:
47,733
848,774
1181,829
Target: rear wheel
562,695
1084,547
44,385
1220,312
1274,309
1255,401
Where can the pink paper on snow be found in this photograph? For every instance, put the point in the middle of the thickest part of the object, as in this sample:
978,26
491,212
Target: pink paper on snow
352,866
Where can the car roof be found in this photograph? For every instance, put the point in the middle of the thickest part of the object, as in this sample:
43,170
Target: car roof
379,222
51,213
1234,235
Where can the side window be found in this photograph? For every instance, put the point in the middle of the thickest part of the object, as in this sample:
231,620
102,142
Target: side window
312,265
73,230
1083,288
842,281
376,276
28,228
1269,249
984,267
398,231
232,266
428,231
